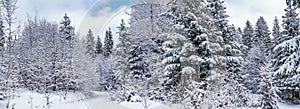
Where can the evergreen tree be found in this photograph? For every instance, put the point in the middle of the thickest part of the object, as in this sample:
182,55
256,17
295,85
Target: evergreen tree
256,61
99,49
65,28
248,34
277,39
85,69
108,43
268,91
120,62
90,43
145,17
67,39
287,70
276,32
262,37
138,66
172,68
218,11
290,23
286,60
201,56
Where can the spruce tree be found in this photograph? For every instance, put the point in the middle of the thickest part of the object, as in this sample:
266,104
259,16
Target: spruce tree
277,39
248,34
67,38
145,17
277,36
256,61
262,37
108,43
218,11
201,55
290,23
172,68
286,59
65,28
99,49
90,44
120,62
268,91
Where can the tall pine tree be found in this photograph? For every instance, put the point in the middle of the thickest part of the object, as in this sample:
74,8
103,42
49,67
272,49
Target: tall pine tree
276,32
108,43
286,60
99,49
90,43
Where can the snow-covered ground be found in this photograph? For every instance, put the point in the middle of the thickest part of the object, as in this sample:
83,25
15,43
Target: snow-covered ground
30,100
101,100
287,106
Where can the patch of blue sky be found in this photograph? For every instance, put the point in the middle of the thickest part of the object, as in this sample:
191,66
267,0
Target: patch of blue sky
113,4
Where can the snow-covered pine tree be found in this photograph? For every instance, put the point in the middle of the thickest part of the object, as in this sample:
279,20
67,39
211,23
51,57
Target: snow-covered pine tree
286,60
248,34
290,23
120,63
90,43
139,72
252,70
138,66
189,37
234,55
84,68
66,29
145,17
234,92
262,37
107,79
277,39
269,100
254,63
99,49
287,69
108,43
218,11
202,56
67,38
172,69
277,35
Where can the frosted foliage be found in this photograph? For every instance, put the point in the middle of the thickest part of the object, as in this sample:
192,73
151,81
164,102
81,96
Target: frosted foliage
291,61
188,70
85,68
194,95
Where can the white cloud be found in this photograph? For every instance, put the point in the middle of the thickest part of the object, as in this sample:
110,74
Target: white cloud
242,10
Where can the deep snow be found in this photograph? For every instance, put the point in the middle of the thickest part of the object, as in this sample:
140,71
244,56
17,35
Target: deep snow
101,100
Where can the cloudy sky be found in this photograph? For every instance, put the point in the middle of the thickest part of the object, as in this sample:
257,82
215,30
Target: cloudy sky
100,14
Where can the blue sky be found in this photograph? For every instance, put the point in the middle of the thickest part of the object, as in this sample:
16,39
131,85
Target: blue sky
98,15
114,4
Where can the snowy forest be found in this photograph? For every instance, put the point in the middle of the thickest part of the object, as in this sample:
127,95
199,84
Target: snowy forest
182,52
